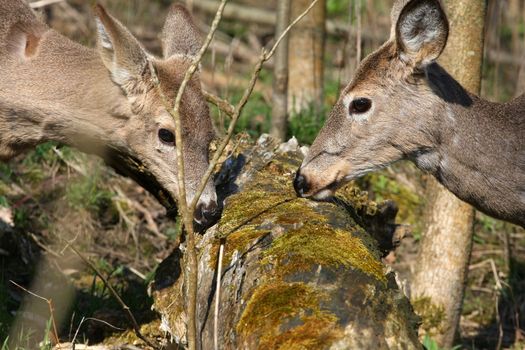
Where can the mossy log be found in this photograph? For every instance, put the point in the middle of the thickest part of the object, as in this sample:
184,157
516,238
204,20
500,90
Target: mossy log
297,274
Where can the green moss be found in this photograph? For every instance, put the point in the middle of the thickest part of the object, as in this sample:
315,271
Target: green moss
275,304
433,316
248,207
315,333
358,199
303,235
314,244
311,237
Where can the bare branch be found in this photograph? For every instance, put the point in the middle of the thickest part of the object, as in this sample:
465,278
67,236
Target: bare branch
50,306
43,3
191,270
287,30
223,105
218,297
265,56
125,307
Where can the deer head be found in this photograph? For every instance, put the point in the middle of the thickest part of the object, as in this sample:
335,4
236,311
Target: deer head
387,112
105,100
150,130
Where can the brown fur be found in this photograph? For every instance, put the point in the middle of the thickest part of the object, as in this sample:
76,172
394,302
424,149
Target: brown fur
419,112
54,89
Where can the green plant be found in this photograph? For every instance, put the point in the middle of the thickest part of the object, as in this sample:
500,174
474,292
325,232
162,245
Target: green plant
335,7
46,343
306,125
4,202
88,193
431,344
4,344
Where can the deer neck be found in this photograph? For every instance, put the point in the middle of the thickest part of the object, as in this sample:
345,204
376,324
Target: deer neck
68,98
478,151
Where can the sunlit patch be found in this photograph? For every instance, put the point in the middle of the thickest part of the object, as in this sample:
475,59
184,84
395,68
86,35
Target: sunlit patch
323,195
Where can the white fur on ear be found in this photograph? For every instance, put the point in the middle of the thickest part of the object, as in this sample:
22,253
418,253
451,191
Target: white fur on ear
16,44
421,31
121,52
105,41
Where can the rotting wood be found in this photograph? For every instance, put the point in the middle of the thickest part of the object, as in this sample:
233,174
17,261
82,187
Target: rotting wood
296,272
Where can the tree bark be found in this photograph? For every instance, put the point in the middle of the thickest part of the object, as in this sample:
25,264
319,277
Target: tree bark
296,273
306,55
439,278
520,83
280,75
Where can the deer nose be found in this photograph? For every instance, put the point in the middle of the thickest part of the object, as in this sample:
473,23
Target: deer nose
300,184
206,215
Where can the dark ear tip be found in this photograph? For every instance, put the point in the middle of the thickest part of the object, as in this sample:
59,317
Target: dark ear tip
99,9
178,9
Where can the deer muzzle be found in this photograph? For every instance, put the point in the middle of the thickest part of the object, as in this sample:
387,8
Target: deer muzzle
306,188
206,215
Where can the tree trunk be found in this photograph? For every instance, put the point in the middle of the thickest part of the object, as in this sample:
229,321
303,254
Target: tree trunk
520,83
280,75
439,278
296,274
306,55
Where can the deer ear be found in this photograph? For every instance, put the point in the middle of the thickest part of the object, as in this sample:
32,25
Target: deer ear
180,35
121,52
23,42
421,31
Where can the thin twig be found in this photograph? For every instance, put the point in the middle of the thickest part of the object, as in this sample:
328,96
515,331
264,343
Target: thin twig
191,275
49,304
125,307
43,3
192,267
91,319
218,297
281,37
223,105
265,56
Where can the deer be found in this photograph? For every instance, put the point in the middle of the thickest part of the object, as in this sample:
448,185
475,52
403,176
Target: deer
105,99
401,104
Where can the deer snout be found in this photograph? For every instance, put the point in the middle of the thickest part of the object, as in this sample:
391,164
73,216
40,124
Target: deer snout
300,184
312,185
206,215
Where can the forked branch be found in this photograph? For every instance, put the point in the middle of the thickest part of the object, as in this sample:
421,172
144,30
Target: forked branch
265,56
187,210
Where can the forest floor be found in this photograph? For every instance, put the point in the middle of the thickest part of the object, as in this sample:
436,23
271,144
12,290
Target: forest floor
57,198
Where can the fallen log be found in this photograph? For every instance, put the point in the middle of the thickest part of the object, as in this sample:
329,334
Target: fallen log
296,273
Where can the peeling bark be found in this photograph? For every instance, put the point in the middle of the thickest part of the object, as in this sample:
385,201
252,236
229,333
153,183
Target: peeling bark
297,273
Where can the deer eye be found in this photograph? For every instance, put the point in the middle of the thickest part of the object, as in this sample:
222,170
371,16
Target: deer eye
360,105
167,136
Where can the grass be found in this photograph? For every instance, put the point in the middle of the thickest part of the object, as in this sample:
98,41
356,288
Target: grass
89,193
431,344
